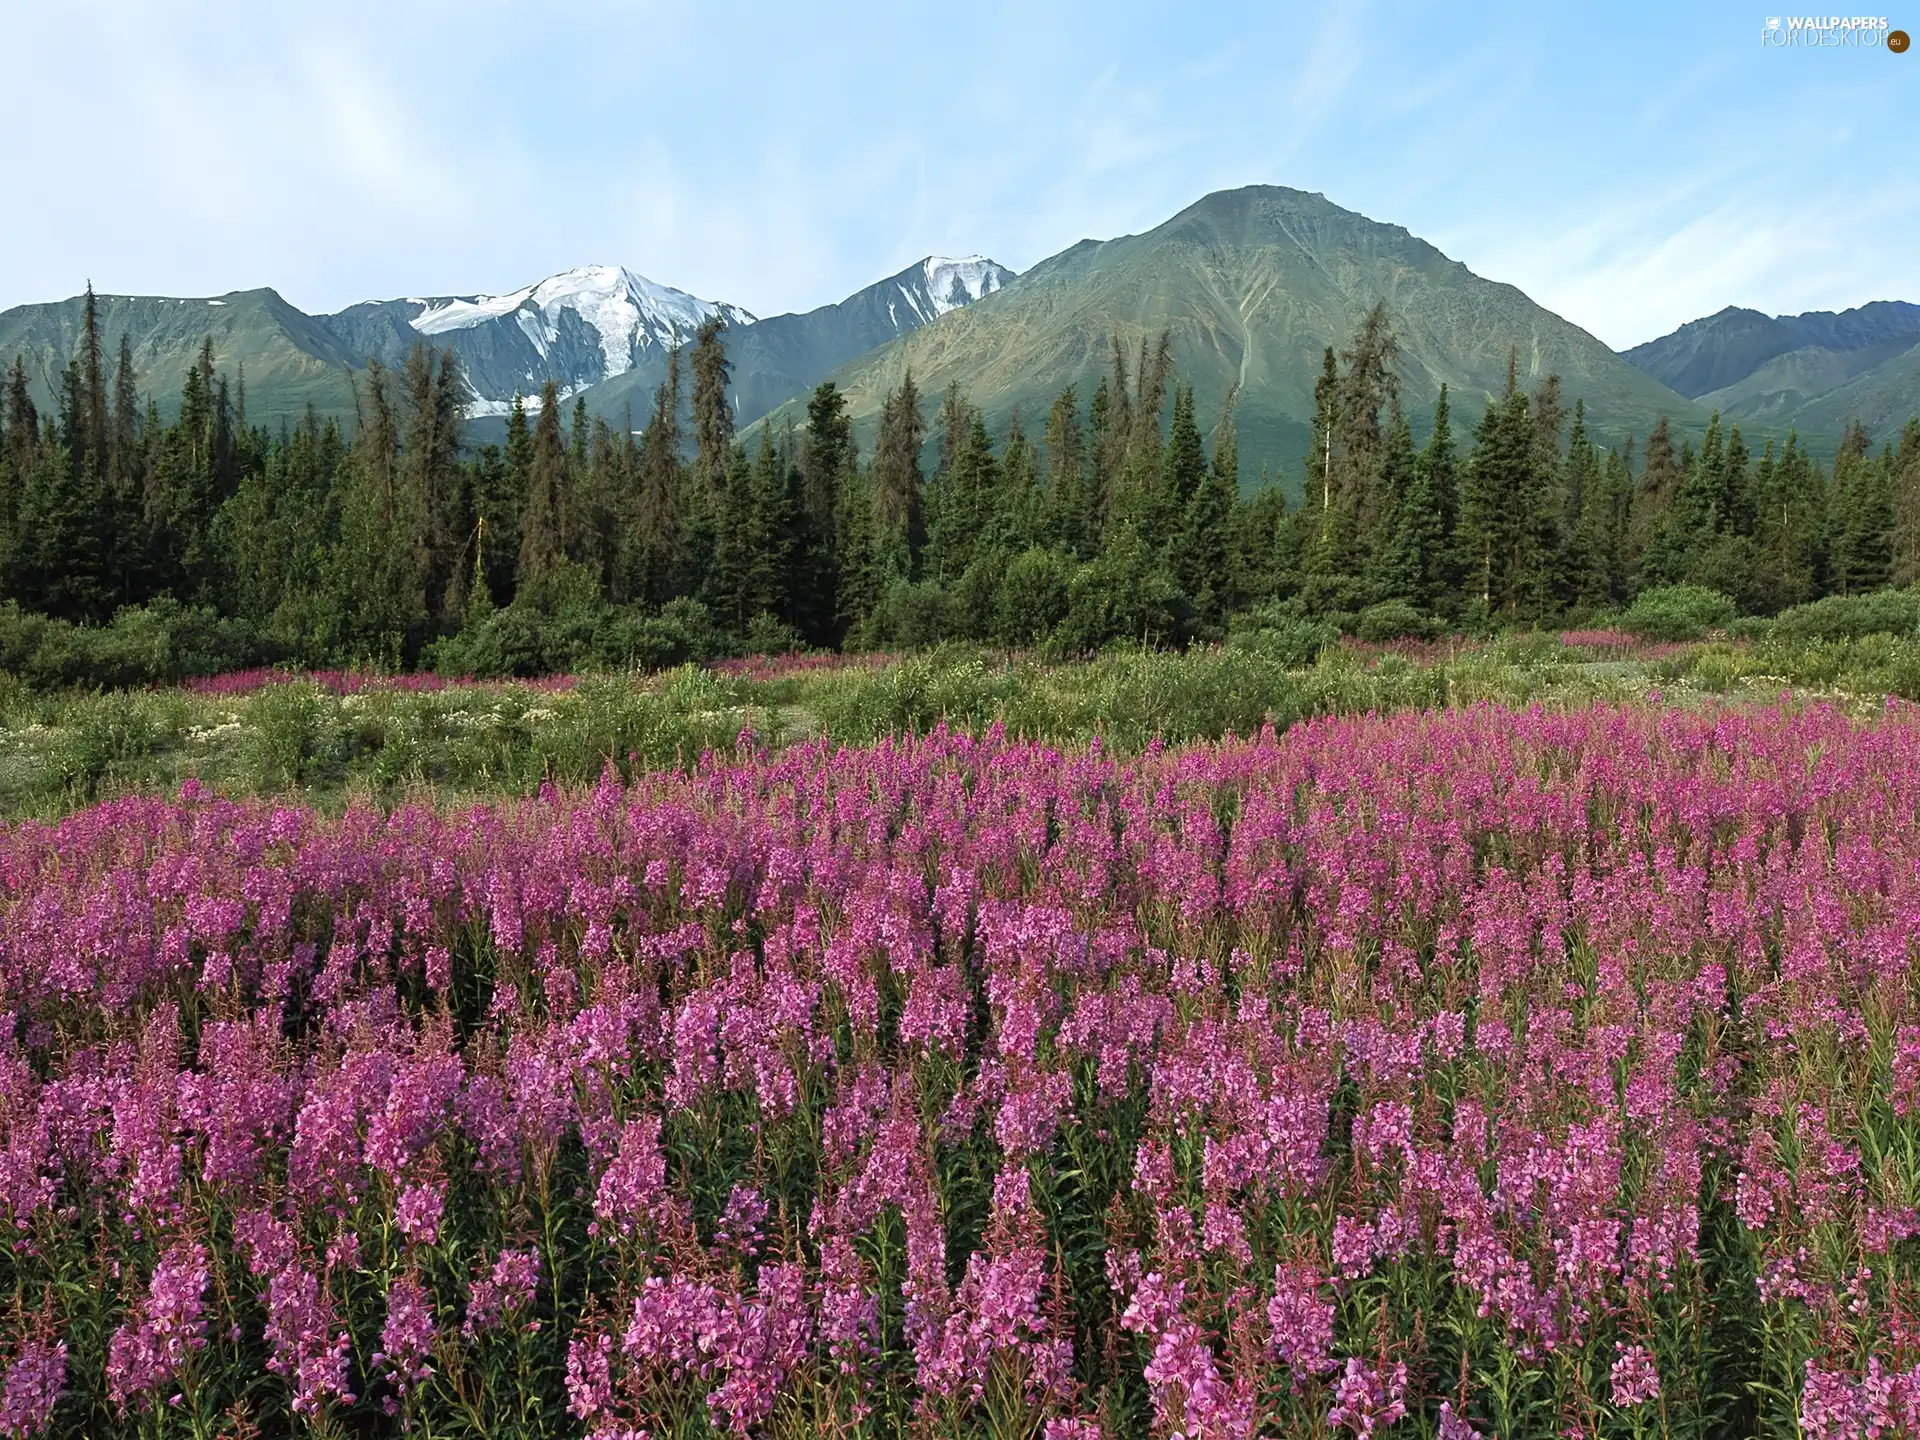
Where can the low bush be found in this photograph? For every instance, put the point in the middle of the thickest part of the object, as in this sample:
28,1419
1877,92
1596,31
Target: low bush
1678,612
157,644
1281,635
1395,620
1847,617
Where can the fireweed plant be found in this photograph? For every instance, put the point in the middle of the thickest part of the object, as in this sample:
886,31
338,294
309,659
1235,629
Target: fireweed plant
1483,1072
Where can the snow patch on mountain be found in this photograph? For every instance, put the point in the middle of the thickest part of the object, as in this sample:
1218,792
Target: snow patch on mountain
940,284
628,311
953,283
479,405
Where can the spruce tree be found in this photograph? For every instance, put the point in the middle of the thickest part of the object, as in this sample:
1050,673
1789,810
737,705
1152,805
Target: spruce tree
1150,394
1409,563
1788,509
1906,507
1327,535
898,520
1497,505
1540,503
825,454
500,486
1069,519
93,431
21,419
543,522
1649,551
125,480
1367,385
958,532
712,415
942,509
1861,516
816,562
430,477
657,542
1203,553
1112,425
378,577
727,584
1019,506
1258,563
1439,478
857,567
57,560
1101,425
1186,461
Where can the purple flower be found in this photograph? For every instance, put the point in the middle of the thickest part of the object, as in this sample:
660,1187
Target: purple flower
168,1325
634,1188
34,1382
509,1286
1634,1377
1369,1398
418,1212
406,1339
308,1351
1300,1320
589,1375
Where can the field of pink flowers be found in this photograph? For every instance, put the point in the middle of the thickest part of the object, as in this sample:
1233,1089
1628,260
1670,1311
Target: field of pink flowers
1473,1073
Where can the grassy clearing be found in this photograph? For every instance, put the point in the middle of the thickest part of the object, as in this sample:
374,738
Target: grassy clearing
465,741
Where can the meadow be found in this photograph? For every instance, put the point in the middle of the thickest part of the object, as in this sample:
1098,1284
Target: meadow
328,738
1513,1039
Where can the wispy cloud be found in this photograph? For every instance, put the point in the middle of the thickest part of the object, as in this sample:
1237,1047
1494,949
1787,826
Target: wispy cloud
1631,169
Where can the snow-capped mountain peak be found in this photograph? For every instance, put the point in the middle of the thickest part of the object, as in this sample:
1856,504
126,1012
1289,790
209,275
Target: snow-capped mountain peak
941,283
627,312
953,283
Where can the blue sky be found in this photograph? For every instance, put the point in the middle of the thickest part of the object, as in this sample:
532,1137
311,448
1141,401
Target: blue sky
1628,165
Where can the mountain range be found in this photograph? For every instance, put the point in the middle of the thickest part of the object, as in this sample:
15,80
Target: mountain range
600,331
1815,371
1252,284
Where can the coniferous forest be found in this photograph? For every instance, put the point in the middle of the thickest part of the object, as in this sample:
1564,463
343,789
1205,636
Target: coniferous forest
573,544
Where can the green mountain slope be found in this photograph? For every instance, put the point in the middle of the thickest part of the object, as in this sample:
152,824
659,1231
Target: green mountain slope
1253,284
1883,400
289,358
1779,391
1713,355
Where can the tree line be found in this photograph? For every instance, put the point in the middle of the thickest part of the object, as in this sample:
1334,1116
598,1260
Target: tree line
573,540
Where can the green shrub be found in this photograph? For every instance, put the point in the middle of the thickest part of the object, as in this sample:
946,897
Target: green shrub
108,738
1847,617
1033,597
1395,620
911,617
1677,612
1283,636
770,635
295,730
1122,596
525,640
155,644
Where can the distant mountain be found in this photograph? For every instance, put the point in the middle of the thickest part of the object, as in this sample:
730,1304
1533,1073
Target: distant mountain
1253,284
785,356
1882,399
1814,371
578,328
601,331
287,357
